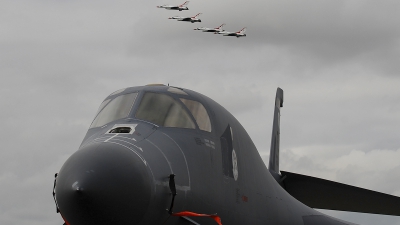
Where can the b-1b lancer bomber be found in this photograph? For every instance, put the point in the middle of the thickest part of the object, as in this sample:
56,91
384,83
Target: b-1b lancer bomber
175,7
238,34
206,29
161,155
192,19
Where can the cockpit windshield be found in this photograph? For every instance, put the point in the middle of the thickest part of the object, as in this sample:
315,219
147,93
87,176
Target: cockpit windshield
164,110
199,113
117,108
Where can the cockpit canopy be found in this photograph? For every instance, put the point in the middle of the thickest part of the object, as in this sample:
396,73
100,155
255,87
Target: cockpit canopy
158,108
111,110
163,110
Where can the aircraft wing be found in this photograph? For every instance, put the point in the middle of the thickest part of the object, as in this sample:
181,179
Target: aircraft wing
324,194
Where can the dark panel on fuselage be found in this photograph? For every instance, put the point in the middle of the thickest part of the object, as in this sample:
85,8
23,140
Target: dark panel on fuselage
226,151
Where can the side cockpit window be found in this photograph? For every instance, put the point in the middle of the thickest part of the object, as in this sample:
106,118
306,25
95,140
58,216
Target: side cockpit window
164,110
199,113
103,104
117,108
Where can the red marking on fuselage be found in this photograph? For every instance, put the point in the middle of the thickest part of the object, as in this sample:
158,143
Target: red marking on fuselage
187,213
66,222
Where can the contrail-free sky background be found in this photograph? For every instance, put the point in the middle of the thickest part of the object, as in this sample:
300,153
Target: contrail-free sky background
337,61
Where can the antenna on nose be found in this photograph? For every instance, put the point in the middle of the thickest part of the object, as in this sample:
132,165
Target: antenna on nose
54,192
172,187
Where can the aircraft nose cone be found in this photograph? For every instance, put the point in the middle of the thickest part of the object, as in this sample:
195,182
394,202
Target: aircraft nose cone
103,184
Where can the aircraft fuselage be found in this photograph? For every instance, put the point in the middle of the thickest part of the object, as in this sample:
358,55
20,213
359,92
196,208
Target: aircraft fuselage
121,172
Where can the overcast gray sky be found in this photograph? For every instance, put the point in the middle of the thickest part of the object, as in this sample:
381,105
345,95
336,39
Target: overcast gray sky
337,61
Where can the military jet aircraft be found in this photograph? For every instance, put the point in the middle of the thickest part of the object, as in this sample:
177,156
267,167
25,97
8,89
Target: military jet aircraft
206,29
240,33
165,155
192,19
175,7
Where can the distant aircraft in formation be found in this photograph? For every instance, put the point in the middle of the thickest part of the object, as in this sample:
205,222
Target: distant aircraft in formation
175,7
215,30
161,155
192,19
238,34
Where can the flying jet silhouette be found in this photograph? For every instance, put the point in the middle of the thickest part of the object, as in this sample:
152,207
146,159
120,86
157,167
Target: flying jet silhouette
207,29
165,155
238,34
180,7
192,19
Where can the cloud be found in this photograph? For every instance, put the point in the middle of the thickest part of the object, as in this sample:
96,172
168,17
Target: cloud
337,62
30,201
316,34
